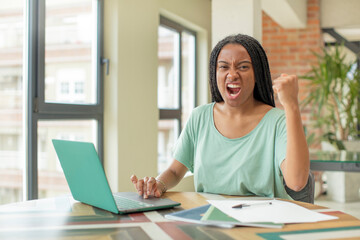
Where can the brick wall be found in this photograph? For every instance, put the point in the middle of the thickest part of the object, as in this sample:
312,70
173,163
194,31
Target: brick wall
289,51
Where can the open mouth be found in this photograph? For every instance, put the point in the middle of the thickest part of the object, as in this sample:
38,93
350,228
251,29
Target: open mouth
233,89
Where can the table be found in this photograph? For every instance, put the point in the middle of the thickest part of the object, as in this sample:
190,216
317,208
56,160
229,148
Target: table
64,218
335,161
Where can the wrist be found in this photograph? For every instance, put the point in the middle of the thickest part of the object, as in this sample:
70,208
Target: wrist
291,106
162,184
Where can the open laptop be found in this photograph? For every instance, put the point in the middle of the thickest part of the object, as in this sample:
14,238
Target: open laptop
88,184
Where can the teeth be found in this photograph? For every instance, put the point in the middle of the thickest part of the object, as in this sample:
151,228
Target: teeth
233,86
233,94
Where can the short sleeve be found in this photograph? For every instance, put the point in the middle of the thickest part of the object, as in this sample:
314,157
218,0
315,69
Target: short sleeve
280,140
184,148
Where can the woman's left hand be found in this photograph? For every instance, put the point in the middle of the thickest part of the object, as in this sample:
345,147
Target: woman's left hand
287,89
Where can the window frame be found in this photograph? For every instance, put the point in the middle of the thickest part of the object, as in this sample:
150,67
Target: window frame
176,113
37,109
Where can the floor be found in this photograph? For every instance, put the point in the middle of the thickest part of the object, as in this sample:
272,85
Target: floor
352,208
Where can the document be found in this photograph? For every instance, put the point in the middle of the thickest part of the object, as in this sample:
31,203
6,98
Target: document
194,215
215,215
209,215
275,211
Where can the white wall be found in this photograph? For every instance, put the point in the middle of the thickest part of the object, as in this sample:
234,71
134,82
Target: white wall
236,16
287,13
344,14
131,114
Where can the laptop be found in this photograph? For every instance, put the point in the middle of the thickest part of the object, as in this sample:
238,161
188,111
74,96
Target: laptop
88,183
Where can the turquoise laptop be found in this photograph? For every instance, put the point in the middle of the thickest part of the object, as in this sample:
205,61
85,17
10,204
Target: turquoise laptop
88,184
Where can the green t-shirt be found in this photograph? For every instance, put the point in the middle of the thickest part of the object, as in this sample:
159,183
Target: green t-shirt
249,165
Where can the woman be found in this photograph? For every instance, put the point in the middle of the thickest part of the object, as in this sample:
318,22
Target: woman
240,144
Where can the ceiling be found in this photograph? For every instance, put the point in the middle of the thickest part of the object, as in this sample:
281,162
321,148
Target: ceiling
339,19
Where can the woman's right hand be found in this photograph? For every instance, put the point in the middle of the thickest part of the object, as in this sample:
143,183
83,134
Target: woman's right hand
148,186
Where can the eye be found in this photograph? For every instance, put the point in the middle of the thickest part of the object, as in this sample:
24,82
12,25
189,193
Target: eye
244,67
223,67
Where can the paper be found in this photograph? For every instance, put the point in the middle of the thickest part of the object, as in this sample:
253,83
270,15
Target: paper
209,215
215,215
277,212
194,215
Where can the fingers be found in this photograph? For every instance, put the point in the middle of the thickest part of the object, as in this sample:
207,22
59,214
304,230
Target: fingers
286,77
284,81
151,185
275,88
138,184
145,189
135,180
287,89
146,186
157,192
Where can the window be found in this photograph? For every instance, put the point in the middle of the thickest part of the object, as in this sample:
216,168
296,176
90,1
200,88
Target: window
79,88
64,89
176,84
57,64
11,105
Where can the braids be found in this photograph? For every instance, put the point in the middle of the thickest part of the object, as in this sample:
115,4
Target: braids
263,91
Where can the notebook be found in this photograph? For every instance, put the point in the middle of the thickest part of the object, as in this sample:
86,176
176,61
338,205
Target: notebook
88,183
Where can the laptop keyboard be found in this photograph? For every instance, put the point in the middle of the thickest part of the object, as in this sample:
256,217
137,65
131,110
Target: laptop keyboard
126,203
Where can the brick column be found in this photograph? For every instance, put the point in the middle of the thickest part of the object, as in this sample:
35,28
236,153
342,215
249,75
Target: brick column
289,50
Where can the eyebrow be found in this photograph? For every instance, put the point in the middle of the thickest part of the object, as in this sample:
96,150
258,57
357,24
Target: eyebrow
221,61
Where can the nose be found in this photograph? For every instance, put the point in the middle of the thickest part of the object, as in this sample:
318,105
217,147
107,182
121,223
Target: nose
232,73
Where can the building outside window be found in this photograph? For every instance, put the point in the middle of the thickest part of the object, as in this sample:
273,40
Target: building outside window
11,105
50,51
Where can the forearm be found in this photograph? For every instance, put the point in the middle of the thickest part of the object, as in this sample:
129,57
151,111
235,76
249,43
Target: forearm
173,175
297,164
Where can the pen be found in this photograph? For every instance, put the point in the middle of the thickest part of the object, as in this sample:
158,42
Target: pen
241,205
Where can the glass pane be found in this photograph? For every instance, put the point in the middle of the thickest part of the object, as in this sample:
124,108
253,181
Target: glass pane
188,75
70,51
51,178
11,105
168,133
168,70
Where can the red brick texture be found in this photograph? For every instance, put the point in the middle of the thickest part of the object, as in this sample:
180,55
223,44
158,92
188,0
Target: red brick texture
290,50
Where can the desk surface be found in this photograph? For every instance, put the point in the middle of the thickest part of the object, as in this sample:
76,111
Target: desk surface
335,161
64,218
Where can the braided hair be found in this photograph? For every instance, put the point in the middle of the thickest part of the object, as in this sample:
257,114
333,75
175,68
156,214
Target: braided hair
263,91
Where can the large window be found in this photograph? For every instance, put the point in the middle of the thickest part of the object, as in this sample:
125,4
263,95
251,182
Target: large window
176,84
11,105
50,80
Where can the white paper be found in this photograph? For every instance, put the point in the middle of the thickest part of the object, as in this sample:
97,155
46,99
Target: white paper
277,212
